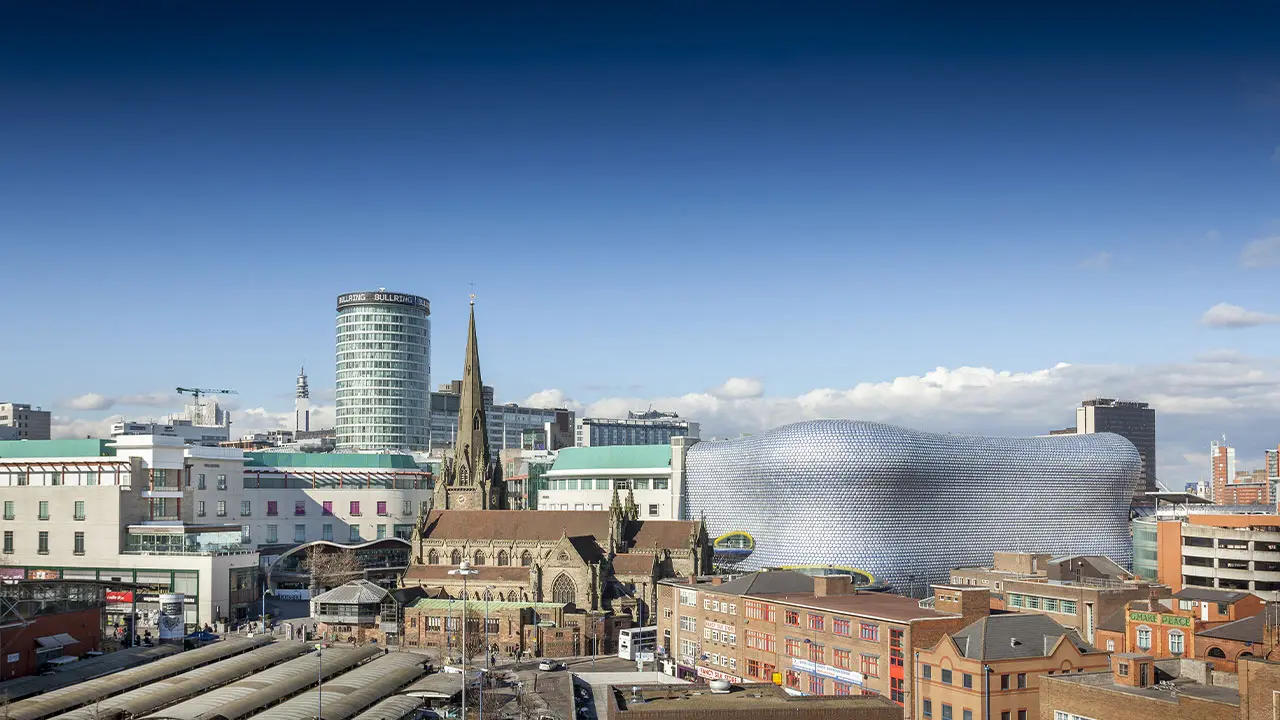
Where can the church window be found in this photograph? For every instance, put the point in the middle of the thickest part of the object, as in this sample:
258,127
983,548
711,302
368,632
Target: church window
526,559
503,558
455,557
564,556
511,596
479,557
475,422
433,558
562,590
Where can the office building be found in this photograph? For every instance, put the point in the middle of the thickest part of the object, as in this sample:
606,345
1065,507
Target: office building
383,371
638,428
507,423
186,431
586,478
1133,421
890,502
815,635
992,667
1222,461
30,424
1221,551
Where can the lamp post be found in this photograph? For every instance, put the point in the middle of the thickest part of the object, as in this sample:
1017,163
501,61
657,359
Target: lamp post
485,683
319,681
265,592
813,664
464,569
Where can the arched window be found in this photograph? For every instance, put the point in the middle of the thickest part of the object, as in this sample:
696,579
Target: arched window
1244,654
1111,646
562,590
479,557
1144,637
1216,653
564,556
1177,642
455,557
512,597
526,559
503,558
433,558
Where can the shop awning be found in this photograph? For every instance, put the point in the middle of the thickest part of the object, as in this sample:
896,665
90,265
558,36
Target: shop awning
56,641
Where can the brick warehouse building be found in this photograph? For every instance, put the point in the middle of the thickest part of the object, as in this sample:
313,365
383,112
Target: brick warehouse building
812,635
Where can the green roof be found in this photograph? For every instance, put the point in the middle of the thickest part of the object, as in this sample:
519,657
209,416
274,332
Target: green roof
478,605
614,457
56,448
358,461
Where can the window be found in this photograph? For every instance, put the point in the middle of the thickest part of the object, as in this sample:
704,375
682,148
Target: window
200,481
272,508
406,508
355,508
794,648
1124,669
1067,607
8,509
926,708
946,676
926,671
1005,715
245,508
199,508
326,532
653,510
300,507
946,712
1111,646
355,535
22,479
271,534
79,543
1144,637
842,658
1033,602
817,653
817,622
1022,715
706,603
967,681
78,511
966,715
792,618
760,611
659,483
1051,604
1016,600
867,631
222,508
1176,646
382,508
8,542
43,510
55,478
688,623
897,692
299,533
757,640
1022,681
1004,682
1182,605
870,665
816,685
326,507
1222,608
753,668
43,547
382,531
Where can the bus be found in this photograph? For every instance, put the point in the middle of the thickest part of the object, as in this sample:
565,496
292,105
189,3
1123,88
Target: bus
633,641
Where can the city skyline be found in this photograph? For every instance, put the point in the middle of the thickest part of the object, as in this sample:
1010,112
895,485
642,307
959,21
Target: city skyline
964,224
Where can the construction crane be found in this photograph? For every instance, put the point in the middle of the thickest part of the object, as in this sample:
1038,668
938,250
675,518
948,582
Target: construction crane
195,393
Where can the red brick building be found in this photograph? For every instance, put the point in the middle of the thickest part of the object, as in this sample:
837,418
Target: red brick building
812,635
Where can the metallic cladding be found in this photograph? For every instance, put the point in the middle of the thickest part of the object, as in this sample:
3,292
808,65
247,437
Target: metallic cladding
909,506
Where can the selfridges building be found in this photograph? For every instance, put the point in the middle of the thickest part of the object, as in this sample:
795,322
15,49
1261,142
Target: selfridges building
906,507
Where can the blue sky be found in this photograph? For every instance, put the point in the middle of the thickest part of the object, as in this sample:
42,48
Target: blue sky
650,200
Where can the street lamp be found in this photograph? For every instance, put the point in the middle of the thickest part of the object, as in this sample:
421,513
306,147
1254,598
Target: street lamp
813,664
464,569
485,683
319,681
265,592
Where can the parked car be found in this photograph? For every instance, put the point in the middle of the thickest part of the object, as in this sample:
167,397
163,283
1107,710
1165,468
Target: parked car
547,665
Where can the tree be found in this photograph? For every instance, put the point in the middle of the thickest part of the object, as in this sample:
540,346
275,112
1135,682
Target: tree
475,641
331,569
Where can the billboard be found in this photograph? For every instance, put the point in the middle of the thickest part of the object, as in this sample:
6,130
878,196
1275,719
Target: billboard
119,596
172,625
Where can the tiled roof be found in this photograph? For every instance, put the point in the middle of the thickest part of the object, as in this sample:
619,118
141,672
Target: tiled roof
1017,635
633,564
486,573
1209,595
647,534
1114,622
614,457
771,581
1249,629
356,591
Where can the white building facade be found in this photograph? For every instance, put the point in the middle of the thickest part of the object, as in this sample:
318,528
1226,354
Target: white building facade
586,478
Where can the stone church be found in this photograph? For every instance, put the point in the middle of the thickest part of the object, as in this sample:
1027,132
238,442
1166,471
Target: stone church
594,560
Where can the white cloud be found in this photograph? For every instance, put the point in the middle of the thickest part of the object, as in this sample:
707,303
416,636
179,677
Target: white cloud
1100,262
98,401
63,427
259,419
1226,315
89,401
740,388
1263,252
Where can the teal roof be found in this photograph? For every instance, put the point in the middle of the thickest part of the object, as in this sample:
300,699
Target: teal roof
56,448
359,461
614,457
477,605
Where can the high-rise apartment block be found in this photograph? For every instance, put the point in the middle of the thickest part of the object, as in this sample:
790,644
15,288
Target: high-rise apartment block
1134,421
383,371
30,424
638,428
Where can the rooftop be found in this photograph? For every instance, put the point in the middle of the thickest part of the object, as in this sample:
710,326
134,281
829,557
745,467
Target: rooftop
1013,636
613,457
746,698
56,448
882,606
495,605
1210,595
1164,689
361,592
1251,629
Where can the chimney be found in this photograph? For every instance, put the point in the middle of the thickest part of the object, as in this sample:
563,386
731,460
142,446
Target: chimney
828,585
716,580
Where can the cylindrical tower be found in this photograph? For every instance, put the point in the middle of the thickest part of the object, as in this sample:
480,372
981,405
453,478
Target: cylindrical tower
384,371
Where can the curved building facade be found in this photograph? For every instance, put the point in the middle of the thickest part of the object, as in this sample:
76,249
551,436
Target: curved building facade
383,371
906,507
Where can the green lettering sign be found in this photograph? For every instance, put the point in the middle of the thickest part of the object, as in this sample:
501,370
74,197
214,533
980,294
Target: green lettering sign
1176,620
1144,617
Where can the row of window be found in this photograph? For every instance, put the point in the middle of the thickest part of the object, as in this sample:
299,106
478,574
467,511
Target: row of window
1008,681
1048,604
54,479
715,605
403,532
948,712
299,508
42,510
720,636
1177,640
42,542
839,626
605,484
479,557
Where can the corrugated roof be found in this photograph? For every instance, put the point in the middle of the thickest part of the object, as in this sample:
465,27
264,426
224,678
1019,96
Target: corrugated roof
495,605
349,693
1209,595
397,707
56,448
1012,636
359,592
613,457
84,671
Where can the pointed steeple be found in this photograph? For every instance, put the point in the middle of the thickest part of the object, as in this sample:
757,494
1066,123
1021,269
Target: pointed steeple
471,450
